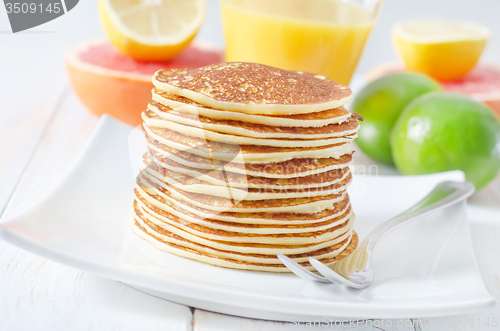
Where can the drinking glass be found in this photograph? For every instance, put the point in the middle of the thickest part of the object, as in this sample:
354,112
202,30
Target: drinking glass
319,36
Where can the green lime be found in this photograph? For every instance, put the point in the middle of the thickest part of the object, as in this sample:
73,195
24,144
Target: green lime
444,131
380,103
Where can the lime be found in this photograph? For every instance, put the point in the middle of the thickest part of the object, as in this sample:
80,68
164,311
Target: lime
380,103
445,131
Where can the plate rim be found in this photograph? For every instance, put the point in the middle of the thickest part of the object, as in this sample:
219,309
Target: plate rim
183,288
250,304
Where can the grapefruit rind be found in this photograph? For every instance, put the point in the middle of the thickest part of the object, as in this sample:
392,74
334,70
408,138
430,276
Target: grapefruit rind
121,94
490,97
72,59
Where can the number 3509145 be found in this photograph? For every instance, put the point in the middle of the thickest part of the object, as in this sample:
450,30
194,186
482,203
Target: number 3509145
25,7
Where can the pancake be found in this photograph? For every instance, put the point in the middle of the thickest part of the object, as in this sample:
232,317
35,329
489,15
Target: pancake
158,126
244,162
191,230
228,151
167,202
213,256
243,251
230,252
299,167
249,247
160,116
253,88
218,204
195,185
222,177
181,104
162,210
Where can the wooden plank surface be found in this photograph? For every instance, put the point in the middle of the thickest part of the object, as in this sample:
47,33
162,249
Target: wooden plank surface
37,294
23,119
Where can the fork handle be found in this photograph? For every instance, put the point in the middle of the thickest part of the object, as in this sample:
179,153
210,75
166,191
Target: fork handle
442,196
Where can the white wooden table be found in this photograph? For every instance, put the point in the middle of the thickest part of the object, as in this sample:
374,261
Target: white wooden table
37,294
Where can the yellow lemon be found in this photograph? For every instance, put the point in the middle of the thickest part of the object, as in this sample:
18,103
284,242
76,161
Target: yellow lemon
151,30
444,50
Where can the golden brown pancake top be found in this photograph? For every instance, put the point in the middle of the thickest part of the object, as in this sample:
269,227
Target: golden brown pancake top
252,83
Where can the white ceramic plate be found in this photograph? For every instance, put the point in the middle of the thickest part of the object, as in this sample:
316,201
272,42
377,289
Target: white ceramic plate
422,270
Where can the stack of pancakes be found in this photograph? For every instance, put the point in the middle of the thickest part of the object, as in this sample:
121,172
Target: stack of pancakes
247,161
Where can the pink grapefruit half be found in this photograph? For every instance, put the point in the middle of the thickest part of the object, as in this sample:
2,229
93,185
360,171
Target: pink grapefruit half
481,84
109,82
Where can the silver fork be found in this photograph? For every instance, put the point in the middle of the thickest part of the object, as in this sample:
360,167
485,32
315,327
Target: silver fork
356,270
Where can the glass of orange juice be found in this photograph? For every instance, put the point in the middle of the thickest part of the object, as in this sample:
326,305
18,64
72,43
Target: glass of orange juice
319,36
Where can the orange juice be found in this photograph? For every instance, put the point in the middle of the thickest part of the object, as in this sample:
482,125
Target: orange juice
319,36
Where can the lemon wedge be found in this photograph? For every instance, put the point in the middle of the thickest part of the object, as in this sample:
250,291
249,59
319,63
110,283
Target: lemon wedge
444,50
151,30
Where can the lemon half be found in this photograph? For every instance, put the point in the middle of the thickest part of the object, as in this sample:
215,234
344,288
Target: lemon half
151,30
444,50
